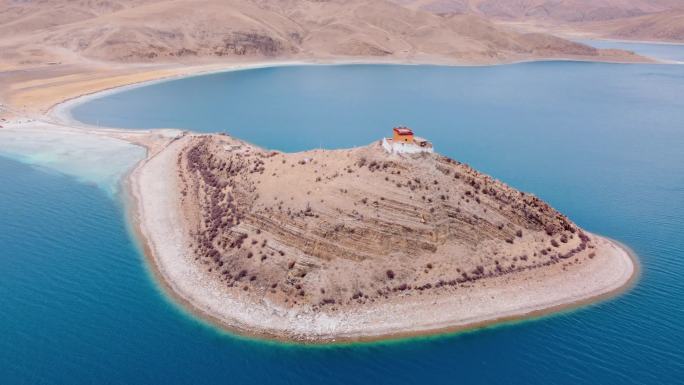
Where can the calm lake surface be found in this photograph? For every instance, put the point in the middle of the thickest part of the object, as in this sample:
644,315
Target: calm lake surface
603,143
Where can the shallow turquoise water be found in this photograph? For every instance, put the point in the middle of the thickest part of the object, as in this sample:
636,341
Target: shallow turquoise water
603,143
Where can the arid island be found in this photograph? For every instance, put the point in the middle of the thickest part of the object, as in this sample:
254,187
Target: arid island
386,240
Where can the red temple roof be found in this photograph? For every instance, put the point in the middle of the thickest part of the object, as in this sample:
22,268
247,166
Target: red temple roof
403,131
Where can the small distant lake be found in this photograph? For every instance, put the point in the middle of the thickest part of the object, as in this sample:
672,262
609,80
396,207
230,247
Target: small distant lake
603,143
664,51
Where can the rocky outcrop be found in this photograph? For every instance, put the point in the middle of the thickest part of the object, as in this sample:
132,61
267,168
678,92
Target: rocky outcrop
326,229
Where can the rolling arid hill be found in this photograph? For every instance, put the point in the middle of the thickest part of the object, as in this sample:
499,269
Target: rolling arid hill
184,30
657,20
564,10
664,27
263,220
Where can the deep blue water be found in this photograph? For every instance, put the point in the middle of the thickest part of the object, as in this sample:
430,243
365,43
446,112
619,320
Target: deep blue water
603,143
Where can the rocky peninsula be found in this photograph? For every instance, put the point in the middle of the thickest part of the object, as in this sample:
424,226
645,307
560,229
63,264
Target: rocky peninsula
356,244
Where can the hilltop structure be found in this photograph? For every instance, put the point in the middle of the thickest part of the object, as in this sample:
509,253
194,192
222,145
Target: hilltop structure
403,141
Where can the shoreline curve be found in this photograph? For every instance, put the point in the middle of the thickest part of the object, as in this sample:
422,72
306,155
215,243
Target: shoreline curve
61,110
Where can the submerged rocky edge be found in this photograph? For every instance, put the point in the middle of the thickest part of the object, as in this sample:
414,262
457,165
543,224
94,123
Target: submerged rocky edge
358,243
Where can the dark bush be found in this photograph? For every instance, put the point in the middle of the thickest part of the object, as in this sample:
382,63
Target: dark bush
390,274
550,229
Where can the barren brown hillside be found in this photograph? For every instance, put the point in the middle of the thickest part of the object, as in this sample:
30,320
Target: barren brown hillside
361,225
184,30
659,20
560,11
664,26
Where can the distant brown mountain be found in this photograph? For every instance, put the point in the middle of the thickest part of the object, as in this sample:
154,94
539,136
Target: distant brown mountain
657,20
664,26
191,30
557,10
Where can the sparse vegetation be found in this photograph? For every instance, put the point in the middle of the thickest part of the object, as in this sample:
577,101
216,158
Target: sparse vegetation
418,219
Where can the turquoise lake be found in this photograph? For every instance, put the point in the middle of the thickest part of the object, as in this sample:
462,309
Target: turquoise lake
603,143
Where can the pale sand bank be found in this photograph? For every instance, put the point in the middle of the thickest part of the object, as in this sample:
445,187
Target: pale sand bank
91,157
95,156
155,201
